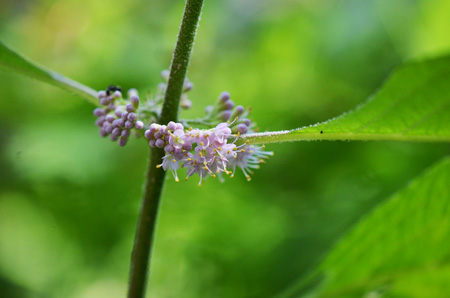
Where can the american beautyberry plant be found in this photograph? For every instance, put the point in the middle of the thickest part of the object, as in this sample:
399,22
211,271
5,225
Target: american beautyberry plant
224,141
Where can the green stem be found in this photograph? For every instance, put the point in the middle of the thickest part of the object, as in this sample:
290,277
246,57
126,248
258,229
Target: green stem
140,259
180,60
146,225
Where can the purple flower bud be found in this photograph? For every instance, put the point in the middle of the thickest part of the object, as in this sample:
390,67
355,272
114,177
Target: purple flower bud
186,103
239,110
103,133
100,120
129,107
159,143
148,134
132,92
225,116
111,106
99,112
154,127
116,132
157,135
117,94
123,141
129,124
172,126
151,143
169,148
120,123
124,115
103,101
134,100
115,123
229,104
247,122
163,129
180,126
188,86
108,128
165,75
132,116
110,118
118,112
109,99
101,94
209,109
139,124
162,87
224,96
125,133
114,137
242,128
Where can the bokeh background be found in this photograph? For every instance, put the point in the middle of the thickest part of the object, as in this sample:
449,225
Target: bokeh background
69,199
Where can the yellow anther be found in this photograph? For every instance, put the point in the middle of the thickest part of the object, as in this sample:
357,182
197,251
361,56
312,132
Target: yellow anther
173,160
158,166
242,150
177,180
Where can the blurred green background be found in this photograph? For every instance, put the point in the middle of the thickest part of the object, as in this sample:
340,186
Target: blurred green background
69,199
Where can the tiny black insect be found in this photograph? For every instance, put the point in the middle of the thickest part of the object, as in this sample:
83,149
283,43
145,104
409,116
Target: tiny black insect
112,88
321,132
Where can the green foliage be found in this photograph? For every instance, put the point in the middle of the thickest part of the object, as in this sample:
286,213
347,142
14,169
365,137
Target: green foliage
400,249
15,62
413,105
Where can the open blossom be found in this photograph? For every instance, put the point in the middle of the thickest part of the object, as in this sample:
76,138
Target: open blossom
203,152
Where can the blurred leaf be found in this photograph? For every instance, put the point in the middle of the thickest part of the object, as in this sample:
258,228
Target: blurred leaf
401,249
15,62
413,105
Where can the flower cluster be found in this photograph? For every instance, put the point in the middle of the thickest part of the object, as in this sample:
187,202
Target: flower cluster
119,116
205,152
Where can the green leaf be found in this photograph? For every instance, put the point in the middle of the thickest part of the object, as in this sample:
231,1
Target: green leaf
400,250
413,105
13,61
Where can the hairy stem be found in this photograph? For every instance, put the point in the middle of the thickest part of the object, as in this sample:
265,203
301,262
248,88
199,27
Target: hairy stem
140,259
180,60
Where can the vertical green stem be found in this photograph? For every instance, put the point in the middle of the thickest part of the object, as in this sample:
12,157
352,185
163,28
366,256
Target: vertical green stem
155,177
